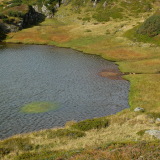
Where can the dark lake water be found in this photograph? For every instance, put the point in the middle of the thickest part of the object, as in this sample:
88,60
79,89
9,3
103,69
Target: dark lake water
30,73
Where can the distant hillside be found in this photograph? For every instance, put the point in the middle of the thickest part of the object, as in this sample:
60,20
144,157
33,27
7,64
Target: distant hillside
13,13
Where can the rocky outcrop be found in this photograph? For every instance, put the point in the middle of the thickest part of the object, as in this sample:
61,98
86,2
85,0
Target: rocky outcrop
157,121
30,18
46,12
43,10
155,133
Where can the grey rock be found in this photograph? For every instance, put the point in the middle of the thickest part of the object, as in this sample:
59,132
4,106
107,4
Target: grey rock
139,109
157,121
105,4
155,133
46,12
36,8
30,18
94,3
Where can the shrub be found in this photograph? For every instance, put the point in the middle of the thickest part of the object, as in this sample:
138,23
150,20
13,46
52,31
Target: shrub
105,15
4,151
16,144
65,133
141,132
15,13
154,115
2,33
88,30
151,26
89,124
2,16
86,19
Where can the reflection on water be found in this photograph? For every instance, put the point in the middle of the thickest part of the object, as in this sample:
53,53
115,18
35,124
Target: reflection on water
62,76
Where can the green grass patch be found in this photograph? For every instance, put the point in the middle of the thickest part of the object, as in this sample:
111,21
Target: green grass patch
83,41
145,92
89,124
39,107
51,22
104,15
48,155
141,66
141,132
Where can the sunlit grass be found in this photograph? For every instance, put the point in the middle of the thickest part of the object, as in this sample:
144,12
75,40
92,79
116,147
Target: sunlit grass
145,91
142,66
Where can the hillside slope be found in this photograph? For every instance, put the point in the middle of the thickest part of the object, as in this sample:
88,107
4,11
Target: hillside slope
102,28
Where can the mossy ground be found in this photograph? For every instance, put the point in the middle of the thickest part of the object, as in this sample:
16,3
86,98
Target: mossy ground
139,60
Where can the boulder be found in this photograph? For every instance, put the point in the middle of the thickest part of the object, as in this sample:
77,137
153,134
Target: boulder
139,109
157,121
155,133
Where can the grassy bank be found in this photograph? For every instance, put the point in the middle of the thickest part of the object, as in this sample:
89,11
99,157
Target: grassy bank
122,137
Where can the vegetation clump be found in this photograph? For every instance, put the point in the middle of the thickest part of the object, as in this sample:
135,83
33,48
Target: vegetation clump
151,26
2,33
141,132
15,144
89,124
65,133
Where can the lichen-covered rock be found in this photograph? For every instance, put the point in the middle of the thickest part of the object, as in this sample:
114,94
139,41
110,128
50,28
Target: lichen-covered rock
157,121
155,133
139,109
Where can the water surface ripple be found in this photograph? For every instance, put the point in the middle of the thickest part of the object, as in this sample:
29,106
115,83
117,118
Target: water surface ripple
59,75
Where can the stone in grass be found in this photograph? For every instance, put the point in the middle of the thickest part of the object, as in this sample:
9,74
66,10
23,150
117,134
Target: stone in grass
139,109
155,133
157,121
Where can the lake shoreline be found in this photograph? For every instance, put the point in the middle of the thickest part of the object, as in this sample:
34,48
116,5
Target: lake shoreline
108,103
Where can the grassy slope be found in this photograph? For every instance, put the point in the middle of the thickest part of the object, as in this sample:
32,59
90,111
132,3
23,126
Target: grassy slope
106,40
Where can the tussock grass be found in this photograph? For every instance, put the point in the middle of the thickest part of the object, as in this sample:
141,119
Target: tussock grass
89,124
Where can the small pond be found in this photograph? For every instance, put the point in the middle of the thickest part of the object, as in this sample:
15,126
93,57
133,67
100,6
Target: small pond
44,87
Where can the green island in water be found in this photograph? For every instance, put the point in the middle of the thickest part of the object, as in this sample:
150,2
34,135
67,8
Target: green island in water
124,31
